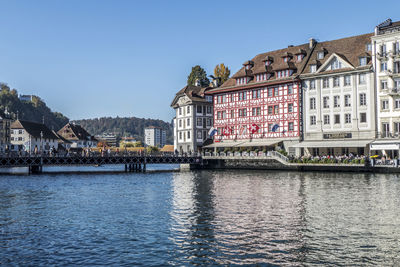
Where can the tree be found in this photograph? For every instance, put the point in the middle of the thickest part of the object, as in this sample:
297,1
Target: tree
198,73
222,72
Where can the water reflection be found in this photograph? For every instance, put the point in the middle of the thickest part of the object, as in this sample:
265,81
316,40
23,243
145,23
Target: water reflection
200,218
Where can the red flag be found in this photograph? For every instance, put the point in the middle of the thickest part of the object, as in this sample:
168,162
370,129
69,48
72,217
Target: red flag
254,128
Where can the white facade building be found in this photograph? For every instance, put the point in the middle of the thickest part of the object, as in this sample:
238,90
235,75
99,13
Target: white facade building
155,136
32,137
386,60
339,98
193,118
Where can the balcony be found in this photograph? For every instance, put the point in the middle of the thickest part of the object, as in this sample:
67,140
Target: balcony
389,135
382,55
393,91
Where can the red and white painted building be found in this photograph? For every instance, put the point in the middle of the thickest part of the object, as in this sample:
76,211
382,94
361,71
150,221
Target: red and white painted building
259,106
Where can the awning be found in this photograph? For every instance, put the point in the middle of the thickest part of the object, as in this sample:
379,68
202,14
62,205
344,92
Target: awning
246,143
385,145
334,143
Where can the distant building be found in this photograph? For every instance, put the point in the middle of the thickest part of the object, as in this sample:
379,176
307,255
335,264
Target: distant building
78,136
27,98
108,138
5,134
155,136
30,136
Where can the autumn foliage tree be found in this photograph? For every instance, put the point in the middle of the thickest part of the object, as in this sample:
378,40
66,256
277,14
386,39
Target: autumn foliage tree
222,72
198,73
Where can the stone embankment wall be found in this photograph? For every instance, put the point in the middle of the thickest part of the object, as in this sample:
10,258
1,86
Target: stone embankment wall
270,163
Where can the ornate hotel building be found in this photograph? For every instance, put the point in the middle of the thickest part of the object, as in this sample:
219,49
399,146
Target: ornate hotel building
260,105
386,61
339,98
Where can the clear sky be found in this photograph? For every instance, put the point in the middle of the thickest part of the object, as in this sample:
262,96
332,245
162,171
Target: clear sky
93,58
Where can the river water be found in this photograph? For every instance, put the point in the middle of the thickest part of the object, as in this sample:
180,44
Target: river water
200,218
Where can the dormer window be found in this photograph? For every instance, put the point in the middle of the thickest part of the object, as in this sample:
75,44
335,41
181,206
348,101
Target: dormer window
262,77
363,61
242,80
268,62
368,47
299,58
321,55
285,59
313,68
336,64
248,64
248,67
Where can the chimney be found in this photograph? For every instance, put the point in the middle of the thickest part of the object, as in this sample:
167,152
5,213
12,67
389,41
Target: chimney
312,43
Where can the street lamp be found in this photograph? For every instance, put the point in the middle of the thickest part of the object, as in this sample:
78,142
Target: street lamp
41,142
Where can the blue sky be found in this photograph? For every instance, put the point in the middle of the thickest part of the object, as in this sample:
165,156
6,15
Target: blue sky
96,58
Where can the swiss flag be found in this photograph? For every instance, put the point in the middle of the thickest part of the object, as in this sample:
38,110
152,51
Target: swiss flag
226,131
254,128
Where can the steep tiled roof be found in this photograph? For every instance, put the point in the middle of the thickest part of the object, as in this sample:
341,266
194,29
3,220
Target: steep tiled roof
36,130
195,93
349,49
74,132
277,64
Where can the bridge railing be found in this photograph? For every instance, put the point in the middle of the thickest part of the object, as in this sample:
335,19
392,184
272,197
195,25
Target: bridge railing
247,154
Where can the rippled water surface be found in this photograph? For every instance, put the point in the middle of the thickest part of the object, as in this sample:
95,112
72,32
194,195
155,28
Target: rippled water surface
200,218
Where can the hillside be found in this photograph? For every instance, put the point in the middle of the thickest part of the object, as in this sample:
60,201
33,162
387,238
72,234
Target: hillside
35,110
125,126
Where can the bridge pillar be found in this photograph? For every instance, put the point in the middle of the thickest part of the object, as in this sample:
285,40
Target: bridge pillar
126,168
35,169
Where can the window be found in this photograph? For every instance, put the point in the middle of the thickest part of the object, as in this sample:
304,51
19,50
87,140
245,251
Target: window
347,80
363,61
397,103
242,96
299,58
276,91
383,84
199,135
208,122
312,103
326,102
336,81
397,84
188,134
256,94
180,135
290,89
383,49
325,82
242,112
363,117
188,110
223,115
313,120
362,79
321,55
337,119
385,104
336,101
385,129
188,122
180,111
396,127
347,102
290,108
240,81
219,115
313,68
363,99
180,123
209,110
312,84
291,126
199,108
336,64
276,109
256,111
327,119
270,109
20,138
20,131
347,118
383,66
270,92
368,47
199,122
